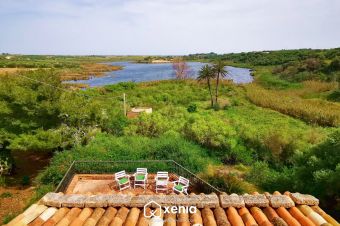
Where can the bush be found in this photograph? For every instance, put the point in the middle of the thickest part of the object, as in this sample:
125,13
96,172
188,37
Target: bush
192,108
334,96
217,107
271,180
228,182
210,132
6,195
108,147
157,123
316,172
25,180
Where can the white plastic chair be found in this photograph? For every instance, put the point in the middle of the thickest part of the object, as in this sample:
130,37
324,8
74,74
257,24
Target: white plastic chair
181,185
162,180
141,177
123,180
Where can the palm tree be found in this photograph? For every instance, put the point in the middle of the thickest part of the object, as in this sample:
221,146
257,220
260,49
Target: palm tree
220,72
207,73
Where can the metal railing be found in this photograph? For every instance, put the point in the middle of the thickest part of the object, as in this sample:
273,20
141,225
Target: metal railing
110,167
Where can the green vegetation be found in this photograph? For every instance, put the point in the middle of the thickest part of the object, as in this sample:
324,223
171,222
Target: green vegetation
108,147
269,135
56,62
6,195
315,111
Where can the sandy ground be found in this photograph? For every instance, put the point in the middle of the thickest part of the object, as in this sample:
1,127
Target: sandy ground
13,200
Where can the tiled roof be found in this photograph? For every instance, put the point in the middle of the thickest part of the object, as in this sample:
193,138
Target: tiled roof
231,210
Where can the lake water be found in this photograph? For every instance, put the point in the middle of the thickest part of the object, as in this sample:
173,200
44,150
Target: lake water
136,72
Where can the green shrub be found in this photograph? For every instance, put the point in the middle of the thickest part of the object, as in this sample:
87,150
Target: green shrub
217,107
228,182
3,182
334,96
210,132
108,147
6,195
40,192
6,219
192,108
25,180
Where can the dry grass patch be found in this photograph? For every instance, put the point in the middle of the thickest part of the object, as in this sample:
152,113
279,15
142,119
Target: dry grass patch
5,71
87,70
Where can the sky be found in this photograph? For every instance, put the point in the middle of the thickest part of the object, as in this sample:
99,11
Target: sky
166,27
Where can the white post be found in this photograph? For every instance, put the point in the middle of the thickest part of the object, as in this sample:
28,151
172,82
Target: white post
124,99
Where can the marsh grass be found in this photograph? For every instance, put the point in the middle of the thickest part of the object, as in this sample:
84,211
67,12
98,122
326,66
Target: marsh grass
86,71
313,111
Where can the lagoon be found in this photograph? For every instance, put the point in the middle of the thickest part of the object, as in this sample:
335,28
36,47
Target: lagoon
138,72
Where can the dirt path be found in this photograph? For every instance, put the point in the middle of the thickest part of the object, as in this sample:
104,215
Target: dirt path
13,200
14,197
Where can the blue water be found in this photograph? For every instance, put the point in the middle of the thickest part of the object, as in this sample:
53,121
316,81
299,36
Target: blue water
150,72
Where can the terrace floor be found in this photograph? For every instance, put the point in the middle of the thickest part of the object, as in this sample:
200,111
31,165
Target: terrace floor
93,184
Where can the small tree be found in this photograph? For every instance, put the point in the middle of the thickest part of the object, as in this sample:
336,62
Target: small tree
181,68
207,73
220,72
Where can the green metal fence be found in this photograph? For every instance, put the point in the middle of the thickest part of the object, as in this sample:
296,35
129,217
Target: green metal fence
110,167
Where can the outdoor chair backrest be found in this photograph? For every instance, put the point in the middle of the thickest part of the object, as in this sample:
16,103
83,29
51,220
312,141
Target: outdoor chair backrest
183,181
142,171
120,174
162,174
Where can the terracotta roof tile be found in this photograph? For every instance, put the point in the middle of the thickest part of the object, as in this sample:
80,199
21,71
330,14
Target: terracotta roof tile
183,219
95,217
234,217
247,218
277,201
120,217
69,217
298,215
259,216
170,219
108,216
304,199
82,217
57,217
273,217
221,217
196,218
258,200
325,216
233,200
210,215
312,215
287,217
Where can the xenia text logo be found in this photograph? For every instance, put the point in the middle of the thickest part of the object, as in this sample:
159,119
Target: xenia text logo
157,209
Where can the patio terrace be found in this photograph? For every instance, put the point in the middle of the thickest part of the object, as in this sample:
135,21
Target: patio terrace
97,177
96,184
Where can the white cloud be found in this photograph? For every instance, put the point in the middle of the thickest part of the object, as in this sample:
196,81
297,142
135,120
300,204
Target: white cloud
166,27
